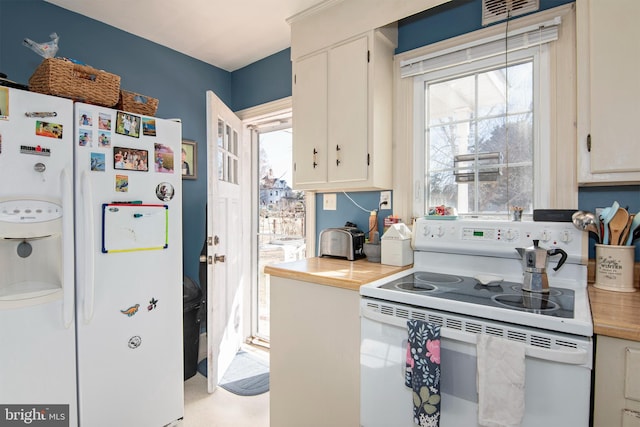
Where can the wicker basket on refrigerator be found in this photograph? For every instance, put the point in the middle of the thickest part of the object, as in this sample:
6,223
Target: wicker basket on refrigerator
59,77
135,103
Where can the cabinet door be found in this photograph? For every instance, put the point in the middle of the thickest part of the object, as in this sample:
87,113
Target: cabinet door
611,51
615,86
348,111
310,120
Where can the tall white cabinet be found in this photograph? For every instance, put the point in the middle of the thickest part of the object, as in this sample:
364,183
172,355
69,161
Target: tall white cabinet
608,54
342,114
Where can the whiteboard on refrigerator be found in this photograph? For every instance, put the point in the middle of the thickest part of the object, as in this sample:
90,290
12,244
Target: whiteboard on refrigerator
130,227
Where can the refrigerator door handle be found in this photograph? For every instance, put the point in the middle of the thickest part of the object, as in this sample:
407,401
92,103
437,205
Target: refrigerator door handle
89,266
67,249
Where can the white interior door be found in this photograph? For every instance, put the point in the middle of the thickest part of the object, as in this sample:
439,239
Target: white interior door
224,253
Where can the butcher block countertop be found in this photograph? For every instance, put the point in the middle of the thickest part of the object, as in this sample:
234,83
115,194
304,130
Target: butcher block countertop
615,314
333,272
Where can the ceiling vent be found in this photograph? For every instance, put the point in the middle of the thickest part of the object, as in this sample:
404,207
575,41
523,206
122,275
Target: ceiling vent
498,10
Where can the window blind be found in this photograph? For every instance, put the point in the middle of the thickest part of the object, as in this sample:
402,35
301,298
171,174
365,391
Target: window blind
522,38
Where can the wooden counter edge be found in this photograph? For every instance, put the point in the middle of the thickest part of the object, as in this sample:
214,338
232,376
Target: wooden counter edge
306,270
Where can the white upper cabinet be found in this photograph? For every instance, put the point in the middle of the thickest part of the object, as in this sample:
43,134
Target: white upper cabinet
310,121
342,114
608,54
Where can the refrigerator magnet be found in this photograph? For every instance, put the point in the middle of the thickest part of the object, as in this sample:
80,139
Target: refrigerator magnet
86,119
163,155
122,183
104,139
152,304
130,159
127,124
50,130
148,126
104,121
131,311
97,162
85,137
165,191
4,103
134,342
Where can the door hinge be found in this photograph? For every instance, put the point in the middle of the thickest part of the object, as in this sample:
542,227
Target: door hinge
368,159
294,166
589,143
368,56
295,78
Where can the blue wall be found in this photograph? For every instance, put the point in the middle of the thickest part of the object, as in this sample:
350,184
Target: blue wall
347,210
263,81
591,198
446,21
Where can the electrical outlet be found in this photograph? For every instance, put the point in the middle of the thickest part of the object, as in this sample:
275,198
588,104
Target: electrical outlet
329,202
385,200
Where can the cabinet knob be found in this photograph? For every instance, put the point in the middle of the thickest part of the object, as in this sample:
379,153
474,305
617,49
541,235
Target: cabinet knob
337,162
337,148
315,165
315,151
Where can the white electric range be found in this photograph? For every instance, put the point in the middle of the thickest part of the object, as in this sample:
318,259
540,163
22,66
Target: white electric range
467,278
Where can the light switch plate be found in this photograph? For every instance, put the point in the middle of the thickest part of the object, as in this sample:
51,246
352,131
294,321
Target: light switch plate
329,201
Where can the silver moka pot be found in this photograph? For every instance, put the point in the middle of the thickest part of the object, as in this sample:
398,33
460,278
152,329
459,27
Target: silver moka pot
534,262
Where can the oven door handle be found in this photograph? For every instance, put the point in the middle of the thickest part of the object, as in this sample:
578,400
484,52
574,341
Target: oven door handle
568,356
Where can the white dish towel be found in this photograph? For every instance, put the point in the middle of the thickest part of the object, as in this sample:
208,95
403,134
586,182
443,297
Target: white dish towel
501,374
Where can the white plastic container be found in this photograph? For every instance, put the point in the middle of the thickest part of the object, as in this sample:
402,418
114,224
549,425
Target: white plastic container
396,246
614,268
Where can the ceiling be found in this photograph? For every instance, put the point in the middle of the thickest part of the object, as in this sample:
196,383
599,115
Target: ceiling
228,34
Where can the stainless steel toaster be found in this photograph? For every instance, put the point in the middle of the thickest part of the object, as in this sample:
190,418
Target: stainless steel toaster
342,242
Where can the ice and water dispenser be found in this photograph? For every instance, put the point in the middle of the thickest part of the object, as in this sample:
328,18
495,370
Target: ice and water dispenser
31,251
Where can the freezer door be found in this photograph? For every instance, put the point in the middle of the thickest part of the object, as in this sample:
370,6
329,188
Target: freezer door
37,329
129,268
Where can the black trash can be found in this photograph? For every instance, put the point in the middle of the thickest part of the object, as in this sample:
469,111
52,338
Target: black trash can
192,300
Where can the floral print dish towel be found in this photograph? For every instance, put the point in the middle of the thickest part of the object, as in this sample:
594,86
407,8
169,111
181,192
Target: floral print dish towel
422,373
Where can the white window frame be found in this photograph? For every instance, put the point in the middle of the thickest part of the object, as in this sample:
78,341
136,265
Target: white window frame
541,117
563,194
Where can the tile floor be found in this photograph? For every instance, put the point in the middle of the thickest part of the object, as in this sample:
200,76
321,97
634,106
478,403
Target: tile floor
222,408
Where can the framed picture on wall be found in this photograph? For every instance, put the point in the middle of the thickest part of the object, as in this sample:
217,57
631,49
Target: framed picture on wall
189,159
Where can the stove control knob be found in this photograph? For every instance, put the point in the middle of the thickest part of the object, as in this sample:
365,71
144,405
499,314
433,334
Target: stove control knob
510,234
545,236
425,231
440,231
566,236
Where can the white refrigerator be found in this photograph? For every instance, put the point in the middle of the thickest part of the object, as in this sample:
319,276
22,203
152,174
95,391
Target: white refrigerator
115,354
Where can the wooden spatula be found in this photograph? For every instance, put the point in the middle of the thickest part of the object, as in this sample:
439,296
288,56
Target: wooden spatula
617,225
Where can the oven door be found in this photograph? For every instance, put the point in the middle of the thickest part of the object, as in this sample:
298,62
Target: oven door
557,382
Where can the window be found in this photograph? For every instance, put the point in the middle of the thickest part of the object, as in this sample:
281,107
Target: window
477,134
541,45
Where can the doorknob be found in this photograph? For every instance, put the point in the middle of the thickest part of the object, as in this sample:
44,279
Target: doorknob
212,259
